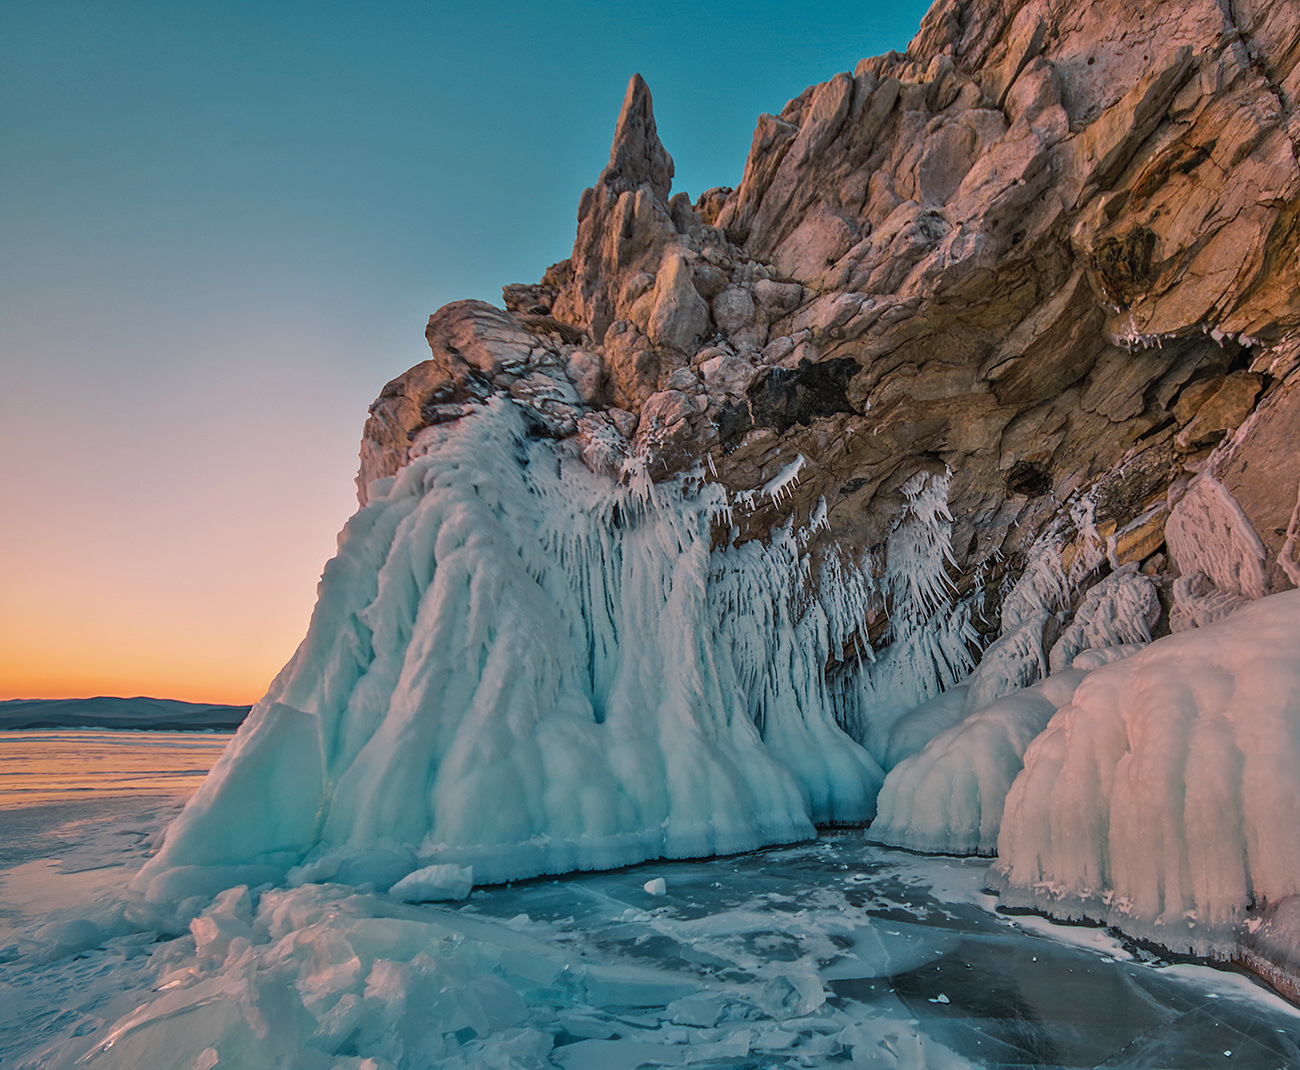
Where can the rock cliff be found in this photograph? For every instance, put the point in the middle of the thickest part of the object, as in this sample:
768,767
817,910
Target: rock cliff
1051,248
844,493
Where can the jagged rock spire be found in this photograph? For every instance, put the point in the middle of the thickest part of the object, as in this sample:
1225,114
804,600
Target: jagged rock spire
623,221
637,157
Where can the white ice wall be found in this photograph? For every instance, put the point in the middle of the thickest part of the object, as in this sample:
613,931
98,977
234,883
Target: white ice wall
523,666
1165,799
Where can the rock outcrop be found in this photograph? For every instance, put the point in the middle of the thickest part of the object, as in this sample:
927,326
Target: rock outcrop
1051,248
1007,325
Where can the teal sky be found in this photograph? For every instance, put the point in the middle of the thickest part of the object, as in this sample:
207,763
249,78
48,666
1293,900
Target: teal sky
225,225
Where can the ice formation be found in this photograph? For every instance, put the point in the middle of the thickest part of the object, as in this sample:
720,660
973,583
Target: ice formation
1165,799
1016,658
918,726
930,635
519,665
1218,553
948,796
1121,610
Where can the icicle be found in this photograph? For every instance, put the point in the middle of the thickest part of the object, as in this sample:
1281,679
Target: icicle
930,634
776,489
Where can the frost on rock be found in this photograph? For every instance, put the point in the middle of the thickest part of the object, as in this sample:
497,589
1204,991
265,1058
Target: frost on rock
930,635
948,796
1016,659
1218,553
522,666
1165,799
1121,610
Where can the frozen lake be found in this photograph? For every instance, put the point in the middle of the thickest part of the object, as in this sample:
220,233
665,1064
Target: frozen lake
833,953
62,765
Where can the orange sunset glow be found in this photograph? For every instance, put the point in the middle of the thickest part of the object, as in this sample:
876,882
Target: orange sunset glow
177,544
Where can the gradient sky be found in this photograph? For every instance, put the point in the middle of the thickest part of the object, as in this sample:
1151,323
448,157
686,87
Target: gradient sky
225,224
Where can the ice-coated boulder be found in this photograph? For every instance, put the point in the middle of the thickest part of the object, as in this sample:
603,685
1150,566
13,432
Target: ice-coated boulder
1165,798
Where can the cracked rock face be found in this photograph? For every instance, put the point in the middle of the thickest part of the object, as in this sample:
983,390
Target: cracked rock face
1052,247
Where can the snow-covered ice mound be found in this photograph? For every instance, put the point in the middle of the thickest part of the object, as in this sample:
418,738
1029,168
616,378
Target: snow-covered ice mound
1165,799
920,725
519,665
947,797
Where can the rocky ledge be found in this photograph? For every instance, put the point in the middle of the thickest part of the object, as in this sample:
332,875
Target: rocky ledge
1050,248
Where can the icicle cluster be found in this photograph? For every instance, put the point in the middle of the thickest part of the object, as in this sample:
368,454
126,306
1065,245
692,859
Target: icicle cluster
519,665
930,637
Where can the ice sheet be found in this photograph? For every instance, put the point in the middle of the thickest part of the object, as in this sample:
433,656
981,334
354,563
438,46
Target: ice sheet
816,955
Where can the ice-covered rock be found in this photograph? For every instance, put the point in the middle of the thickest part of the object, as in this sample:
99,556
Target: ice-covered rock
1119,611
972,319
524,666
948,797
1165,798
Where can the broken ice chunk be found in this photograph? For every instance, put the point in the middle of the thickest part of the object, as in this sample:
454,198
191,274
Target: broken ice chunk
432,883
791,996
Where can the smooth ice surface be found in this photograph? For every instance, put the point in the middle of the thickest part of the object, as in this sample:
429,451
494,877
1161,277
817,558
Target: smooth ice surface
526,667
827,954
918,726
948,796
1165,799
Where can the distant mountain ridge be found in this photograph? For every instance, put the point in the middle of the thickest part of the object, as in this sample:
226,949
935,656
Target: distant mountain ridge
159,714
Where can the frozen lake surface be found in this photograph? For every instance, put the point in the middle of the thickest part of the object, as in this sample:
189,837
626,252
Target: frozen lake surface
57,765
832,953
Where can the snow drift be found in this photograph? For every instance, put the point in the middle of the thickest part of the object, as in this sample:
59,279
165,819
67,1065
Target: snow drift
1165,798
519,665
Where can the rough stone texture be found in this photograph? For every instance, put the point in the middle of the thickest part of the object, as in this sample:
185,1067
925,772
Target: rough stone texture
1051,247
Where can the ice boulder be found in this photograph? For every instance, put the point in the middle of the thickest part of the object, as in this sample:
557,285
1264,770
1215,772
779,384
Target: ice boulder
948,796
434,883
1165,798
